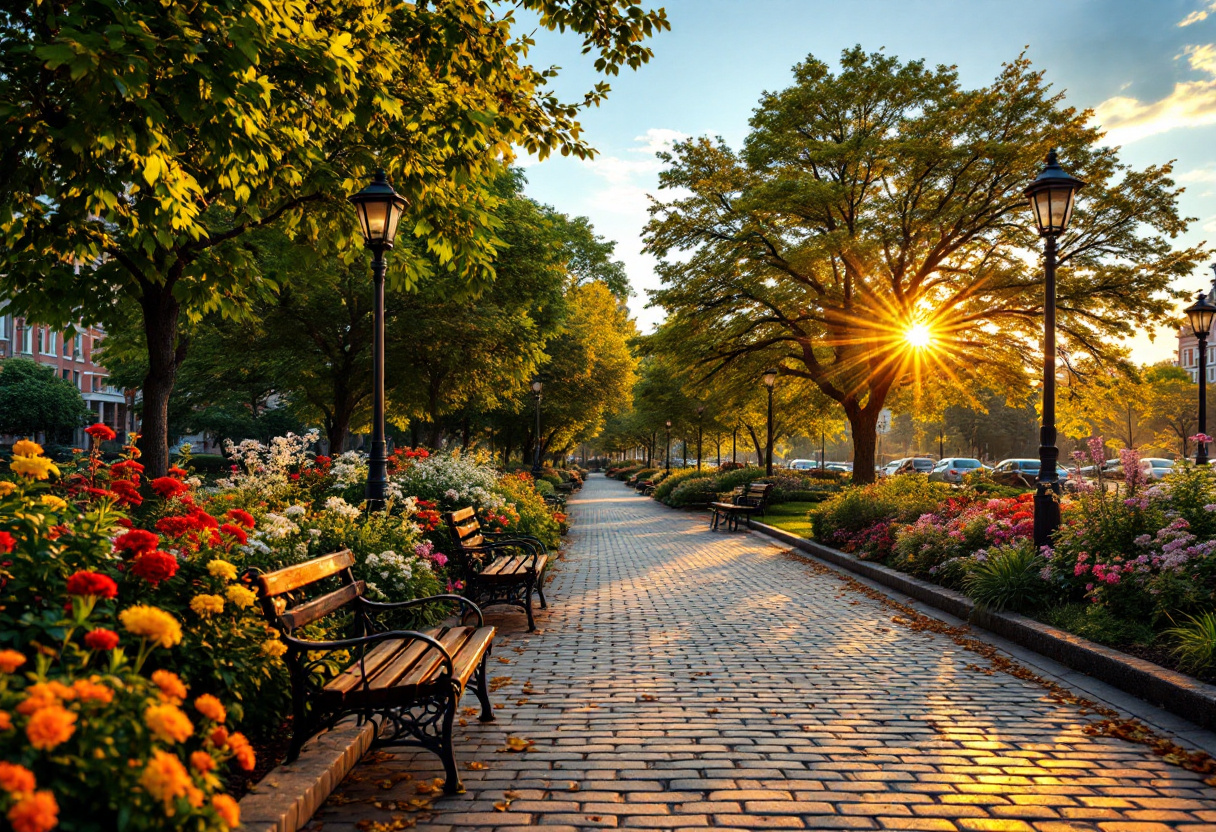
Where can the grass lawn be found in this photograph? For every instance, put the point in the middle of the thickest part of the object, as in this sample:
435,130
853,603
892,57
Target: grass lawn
790,517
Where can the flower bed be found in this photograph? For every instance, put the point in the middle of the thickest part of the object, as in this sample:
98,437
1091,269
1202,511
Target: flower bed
134,661
1134,569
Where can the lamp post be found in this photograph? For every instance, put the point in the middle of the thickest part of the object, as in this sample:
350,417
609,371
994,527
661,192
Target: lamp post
1200,316
667,453
379,208
823,449
536,469
770,378
700,413
1051,197
490,440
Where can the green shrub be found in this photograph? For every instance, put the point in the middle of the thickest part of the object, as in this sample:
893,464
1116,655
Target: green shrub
1096,623
210,465
899,499
677,476
693,491
545,488
1195,642
1007,577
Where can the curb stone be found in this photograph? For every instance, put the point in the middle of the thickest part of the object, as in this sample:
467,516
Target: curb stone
1175,692
288,796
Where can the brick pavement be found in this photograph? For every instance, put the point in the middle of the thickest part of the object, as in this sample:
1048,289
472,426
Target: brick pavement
685,679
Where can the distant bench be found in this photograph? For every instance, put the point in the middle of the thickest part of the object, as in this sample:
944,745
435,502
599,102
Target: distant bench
745,503
498,568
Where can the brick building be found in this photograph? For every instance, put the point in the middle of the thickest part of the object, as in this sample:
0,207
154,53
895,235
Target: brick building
70,354
1188,346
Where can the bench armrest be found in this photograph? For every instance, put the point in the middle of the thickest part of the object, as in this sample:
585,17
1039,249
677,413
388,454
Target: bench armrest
304,645
518,543
465,605
510,537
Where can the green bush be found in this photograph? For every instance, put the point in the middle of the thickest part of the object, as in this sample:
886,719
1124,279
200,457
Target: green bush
899,499
693,491
817,495
1096,623
544,488
1195,642
669,483
1007,577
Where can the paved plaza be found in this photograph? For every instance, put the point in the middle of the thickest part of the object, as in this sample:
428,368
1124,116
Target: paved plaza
686,679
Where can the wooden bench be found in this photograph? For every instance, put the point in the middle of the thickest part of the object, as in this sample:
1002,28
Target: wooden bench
407,683
498,568
746,503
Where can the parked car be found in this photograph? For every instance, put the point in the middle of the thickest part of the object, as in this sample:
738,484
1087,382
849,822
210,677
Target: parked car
954,468
803,464
1155,468
840,467
1022,472
915,465
890,468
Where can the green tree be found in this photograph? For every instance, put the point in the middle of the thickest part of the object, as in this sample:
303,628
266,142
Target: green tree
144,140
1173,406
873,232
34,400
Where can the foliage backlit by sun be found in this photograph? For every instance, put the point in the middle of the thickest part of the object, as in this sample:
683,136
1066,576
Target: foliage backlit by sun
918,336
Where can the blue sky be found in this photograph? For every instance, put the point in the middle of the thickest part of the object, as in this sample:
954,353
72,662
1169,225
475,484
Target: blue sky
1148,67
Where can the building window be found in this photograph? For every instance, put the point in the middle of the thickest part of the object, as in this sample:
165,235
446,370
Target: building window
4,327
76,379
27,338
66,374
48,340
79,346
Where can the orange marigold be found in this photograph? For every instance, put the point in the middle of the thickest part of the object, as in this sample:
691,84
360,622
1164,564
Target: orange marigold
211,708
37,812
202,762
92,690
166,779
228,810
16,779
171,687
242,750
219,736
10,660
51,726
6,721
168,723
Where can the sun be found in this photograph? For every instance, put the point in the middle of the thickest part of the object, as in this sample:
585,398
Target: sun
918,336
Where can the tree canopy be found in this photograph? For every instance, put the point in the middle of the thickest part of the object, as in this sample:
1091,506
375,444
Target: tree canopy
34,400
873,232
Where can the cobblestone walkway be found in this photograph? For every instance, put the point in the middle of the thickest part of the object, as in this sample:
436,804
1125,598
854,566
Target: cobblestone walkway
688,679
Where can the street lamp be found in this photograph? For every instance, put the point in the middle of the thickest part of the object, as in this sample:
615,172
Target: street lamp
1051,197
536,468
700,413
379,208
1200,316
668,452
770,378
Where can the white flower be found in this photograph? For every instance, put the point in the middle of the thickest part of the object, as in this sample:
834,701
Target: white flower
339,506
295,511
276,526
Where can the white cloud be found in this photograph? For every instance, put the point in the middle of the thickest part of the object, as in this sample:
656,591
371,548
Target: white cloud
660,138
1189,104
1197,16
1206,174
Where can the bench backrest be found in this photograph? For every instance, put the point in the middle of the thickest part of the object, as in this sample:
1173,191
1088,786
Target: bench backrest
465,528
756,494
278,589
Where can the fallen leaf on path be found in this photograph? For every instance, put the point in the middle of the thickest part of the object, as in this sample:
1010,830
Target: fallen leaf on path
517,744
475,765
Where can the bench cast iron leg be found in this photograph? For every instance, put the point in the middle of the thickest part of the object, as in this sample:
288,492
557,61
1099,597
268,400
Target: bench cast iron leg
528,604
540,590
446,753
483,690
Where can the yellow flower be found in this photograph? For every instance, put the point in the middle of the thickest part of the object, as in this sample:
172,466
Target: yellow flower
274,648
242,597
10,660
50,726
171,687
36,467
37,812
151,623
207,604
222,569
211,708
168,723
228,810
54,503
166,779
25,447
7,487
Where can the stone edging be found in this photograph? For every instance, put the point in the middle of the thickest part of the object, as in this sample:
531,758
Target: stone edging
1175,692
288,796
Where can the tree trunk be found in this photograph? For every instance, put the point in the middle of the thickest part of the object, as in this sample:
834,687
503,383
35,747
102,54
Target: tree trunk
759,448
160,310
864,424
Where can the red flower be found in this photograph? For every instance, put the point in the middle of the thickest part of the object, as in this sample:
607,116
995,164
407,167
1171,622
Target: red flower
7,542
136,542
322,462
92,583
174,471
155,567
101,432
294,477
101,639
100,493
127,493
241,516
126,469
168,487
236,532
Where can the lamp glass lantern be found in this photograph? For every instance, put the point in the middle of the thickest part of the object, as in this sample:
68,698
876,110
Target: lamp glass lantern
379,208
1200,315
770,378
536,387
1052,196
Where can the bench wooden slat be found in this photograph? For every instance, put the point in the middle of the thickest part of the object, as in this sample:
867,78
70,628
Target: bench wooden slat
293,577
474,541
391,671
318,608
469,657
352,677
462,514
425,668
